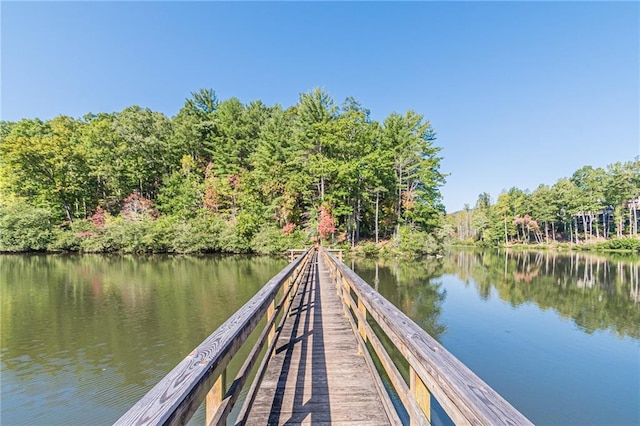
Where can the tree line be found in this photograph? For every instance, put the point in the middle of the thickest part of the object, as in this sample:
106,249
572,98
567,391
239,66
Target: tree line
219,176
594,204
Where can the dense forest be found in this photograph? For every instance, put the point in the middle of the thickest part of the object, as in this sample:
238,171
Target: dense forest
593,205
220,176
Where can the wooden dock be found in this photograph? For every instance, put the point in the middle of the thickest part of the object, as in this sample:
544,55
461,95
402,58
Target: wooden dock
317,375
320,328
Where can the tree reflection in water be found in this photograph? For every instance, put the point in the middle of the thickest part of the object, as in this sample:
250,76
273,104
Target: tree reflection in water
598,292
411,286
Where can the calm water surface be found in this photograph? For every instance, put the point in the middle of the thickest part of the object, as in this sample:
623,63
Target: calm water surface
84,337
557,335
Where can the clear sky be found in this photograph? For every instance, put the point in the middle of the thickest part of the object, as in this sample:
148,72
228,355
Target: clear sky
519,93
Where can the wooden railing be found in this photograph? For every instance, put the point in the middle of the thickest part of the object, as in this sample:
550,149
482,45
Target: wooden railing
294,253
433,371
202,374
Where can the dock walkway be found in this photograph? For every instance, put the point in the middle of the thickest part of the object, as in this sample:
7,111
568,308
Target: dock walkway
316,375
319,327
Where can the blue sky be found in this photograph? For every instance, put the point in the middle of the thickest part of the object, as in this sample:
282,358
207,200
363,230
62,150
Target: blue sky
519,93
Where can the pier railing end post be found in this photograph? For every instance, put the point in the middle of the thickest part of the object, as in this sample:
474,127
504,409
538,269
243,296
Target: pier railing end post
420,394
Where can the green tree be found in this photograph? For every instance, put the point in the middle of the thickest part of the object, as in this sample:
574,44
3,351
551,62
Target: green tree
416,166
247,167
193,126
144,148
44,162
482,216
590,183
24,227
502,225
106,161
348,140
313,112
622,191
279,178
543,209
5,128
567,207
182,192
228,146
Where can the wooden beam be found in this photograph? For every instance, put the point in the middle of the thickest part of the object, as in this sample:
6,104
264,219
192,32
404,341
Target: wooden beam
215,397
421,395
271,310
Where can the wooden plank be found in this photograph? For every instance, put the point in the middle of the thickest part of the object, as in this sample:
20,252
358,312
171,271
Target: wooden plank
293,285
316,415
421,395
177,396
220,415
463,395
214,397
316,374
362,329
389,408
396,379
362,319
271,310
317,366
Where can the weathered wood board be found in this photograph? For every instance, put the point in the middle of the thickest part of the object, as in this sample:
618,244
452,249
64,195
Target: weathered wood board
317,375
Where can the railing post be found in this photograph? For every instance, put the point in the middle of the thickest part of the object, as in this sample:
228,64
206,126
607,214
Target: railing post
420,394
270,312
362,318
345,293
287,285
215,396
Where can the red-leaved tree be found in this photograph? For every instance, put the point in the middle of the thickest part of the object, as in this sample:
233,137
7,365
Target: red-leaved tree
288,228
98,218
326,223
137,207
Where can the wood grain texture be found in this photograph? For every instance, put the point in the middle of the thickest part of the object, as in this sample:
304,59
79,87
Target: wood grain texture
290,289
421,394
394,376
316,375
463,395
177,396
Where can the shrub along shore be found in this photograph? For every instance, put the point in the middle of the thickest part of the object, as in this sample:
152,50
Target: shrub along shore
29,229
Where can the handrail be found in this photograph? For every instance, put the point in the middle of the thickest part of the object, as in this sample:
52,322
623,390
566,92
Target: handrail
202,374
432,369
293,253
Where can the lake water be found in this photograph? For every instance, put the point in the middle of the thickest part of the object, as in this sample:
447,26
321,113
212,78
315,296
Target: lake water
84,337
557,335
